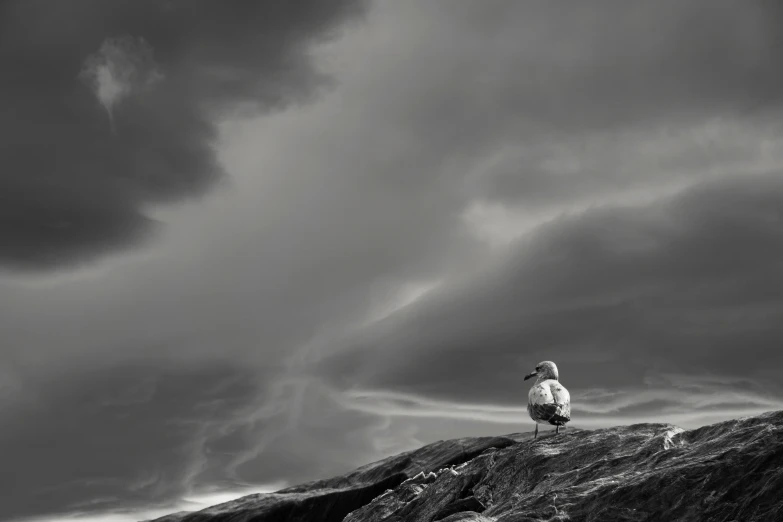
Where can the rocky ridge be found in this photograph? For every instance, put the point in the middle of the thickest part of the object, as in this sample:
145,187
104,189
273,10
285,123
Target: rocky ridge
730,471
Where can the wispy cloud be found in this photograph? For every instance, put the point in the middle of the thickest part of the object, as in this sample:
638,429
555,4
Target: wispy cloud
121,66
393,298
686,403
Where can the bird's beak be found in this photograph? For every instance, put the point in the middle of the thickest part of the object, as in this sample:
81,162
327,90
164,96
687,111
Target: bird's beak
531,374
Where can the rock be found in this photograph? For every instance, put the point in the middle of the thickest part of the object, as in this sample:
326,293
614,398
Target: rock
331,500
468,516
469,504
724,472
174,517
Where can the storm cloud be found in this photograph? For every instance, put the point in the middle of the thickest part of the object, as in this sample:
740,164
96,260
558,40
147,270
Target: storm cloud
413,203
109,108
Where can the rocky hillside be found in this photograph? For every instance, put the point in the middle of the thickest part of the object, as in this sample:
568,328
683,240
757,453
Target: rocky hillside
732,471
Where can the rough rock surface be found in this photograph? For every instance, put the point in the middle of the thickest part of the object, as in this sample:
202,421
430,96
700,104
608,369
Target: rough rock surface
731,471
174,517
332,499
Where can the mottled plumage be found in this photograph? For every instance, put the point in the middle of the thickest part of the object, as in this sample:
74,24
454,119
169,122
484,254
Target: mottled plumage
548,400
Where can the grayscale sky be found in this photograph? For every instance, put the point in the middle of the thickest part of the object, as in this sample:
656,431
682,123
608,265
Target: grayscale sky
249,244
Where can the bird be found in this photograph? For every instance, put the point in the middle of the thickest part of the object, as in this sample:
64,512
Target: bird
548,400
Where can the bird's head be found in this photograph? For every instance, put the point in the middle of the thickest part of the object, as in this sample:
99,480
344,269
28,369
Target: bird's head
544,370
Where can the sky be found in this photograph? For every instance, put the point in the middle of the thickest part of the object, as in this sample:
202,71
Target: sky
250,244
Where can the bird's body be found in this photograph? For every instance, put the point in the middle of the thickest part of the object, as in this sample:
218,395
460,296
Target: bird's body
548,401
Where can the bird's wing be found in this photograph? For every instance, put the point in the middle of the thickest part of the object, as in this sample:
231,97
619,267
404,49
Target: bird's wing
541,405
562,401
543,412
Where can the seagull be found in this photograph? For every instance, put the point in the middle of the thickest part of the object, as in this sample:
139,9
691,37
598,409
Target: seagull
548,402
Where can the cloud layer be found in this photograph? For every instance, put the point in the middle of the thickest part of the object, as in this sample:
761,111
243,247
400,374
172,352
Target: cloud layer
469,188
685,284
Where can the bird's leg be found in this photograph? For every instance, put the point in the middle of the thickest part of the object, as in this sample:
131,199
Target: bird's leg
557,430
536,434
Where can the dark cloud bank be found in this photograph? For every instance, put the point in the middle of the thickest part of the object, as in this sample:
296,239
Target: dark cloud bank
79,167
